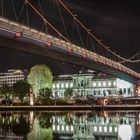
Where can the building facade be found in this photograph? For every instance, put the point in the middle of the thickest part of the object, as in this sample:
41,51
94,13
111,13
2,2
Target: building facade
12,76
97,85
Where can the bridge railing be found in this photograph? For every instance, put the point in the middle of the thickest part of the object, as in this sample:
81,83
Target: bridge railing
43,37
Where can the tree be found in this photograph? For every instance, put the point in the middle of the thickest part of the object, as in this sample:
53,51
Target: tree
45,93
40,77
21,128
38,133
21,89
68,93
6,92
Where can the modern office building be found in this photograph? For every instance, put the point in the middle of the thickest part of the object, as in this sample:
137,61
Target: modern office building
98,85
12,76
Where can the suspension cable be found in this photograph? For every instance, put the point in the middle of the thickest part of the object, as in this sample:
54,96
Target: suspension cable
21,11
79,34
132,61
2,9
27,15
132,57
45,20
14,10
44,24
62,18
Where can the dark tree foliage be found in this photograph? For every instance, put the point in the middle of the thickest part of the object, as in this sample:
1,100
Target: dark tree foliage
68,93
21,89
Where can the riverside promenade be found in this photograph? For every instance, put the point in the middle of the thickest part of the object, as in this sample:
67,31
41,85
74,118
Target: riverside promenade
73,107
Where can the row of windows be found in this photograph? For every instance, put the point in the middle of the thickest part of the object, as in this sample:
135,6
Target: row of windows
104,84
95,84
62,128
11,80
16,77
62,85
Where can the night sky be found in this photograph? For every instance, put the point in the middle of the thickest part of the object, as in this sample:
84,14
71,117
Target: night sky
115,22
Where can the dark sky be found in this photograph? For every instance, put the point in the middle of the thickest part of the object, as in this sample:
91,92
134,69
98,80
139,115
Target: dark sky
115,22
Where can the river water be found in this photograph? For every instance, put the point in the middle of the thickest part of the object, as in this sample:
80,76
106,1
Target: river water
45,125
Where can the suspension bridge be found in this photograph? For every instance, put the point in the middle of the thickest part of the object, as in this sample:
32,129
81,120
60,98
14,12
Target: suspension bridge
92,53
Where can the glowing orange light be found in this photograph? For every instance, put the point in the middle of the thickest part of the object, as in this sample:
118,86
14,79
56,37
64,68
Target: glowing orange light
138,90
69,51
18,34
49,44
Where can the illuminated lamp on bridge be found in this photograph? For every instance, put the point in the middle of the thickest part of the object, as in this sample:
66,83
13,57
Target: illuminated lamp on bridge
84,56
18,34
49,44
69,51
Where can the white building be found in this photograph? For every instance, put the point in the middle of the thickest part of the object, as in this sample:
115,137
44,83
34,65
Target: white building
98,85
12,76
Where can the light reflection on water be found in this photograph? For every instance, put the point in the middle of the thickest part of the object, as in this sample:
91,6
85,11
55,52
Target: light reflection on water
69,125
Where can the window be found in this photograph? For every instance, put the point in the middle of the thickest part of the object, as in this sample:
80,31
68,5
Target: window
94,92
62,85
104,84
129,91
110,129
53,86
105,129
114,83
71,85
57,85
82,83
109,84
67,85
100,129
124,90
94,84
99,84
104,92
95,128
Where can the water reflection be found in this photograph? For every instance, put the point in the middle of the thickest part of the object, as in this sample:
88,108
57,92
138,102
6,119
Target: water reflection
69,125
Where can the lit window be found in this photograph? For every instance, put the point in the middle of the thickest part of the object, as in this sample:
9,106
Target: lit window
116,129
53,86
62,85
67,128
104,84
62,127
57,85
114,83
105,129
99,84
94,84
109,84
67,85
110,129
58,127
53,127
95,128
100,129
71,85
71,128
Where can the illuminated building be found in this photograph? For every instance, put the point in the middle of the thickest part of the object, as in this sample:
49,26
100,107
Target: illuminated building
12,76
97,85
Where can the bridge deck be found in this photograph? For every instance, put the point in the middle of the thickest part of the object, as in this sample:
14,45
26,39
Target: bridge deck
33,41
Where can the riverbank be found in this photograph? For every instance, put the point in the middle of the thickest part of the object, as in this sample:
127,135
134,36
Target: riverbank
73,107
